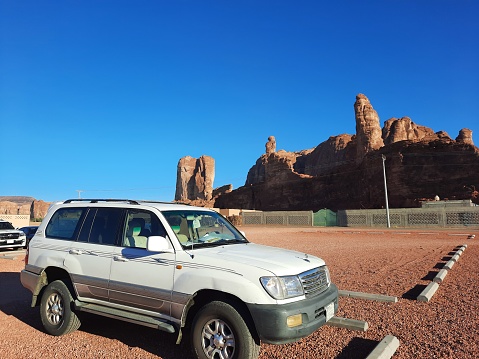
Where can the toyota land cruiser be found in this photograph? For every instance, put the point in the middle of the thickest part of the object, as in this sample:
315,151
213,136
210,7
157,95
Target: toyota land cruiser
173,267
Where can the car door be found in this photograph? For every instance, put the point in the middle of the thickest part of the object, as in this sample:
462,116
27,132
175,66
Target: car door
89,257
141,279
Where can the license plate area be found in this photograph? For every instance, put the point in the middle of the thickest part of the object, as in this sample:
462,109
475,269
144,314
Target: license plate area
10,241
329,311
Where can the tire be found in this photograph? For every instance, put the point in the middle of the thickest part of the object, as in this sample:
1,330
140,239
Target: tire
219,331
56,312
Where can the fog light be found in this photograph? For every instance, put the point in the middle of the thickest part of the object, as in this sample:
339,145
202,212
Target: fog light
294,320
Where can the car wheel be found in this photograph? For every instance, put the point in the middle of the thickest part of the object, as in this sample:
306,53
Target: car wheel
219,331
56,312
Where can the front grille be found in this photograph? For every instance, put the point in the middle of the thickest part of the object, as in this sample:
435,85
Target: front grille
4,236
315,281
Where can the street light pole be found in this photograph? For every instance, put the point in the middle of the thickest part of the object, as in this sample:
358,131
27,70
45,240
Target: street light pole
386,191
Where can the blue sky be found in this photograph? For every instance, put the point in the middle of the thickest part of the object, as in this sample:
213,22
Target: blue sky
107,96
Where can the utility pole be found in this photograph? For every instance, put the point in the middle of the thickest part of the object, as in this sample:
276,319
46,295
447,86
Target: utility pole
79,192
386,191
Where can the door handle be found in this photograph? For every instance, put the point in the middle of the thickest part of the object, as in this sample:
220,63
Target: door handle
120,259
75,251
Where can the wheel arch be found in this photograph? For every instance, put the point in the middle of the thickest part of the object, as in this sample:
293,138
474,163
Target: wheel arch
49,275
206,296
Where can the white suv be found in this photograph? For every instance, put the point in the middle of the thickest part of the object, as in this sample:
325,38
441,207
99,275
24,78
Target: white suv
173,267
11,237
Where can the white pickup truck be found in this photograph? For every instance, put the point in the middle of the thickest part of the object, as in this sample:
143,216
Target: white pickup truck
174,268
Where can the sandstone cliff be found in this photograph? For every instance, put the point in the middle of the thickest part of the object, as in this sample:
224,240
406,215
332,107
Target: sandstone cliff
345,171
23,205
368,129
195,178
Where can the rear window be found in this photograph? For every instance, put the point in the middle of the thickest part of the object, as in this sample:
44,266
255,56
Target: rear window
64,224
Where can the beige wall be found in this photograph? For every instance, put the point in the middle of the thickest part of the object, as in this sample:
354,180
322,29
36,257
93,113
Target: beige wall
17,220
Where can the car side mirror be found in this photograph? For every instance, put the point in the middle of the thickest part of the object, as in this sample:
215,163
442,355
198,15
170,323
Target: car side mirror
159,244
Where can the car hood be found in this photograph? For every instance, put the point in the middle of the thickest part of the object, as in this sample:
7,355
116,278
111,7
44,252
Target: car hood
275,260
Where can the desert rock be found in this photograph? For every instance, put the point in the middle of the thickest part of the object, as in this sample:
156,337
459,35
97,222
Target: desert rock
345,171
195,178
270,145
402,129
368,129
465,136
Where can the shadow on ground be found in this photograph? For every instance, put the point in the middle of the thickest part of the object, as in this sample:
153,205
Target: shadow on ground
430,276
15,300
413,293
357,348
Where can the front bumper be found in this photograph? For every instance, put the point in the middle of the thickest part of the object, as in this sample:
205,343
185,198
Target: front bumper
270,320
13,243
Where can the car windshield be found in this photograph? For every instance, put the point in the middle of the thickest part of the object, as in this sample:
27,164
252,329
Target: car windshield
6,225
196,229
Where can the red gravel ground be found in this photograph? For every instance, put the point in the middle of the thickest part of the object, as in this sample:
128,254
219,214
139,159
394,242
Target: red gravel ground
393,262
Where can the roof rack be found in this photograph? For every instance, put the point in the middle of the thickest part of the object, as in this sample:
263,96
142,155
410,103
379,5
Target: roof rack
96,200
162,202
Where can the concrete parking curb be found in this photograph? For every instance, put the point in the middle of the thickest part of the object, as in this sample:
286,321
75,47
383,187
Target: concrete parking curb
427,293
8,257
385,349
367,296
346,323
449,265
12,255
439,278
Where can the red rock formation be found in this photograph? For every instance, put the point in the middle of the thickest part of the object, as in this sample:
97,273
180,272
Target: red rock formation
368,129
195,178
270,145
23,205
346,171
335,151
414,170
403,129
465,136
276,166
8,207
39,209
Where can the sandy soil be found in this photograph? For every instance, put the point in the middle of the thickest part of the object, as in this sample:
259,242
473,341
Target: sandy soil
392,262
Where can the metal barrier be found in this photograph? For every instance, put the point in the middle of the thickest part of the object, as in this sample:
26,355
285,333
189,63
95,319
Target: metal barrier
284,218
399,217
411,217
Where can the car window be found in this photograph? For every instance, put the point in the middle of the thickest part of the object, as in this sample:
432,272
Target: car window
140,225
202,228
101,226
64,223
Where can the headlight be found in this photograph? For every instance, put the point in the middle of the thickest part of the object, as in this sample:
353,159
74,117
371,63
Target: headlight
282,287
22,234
